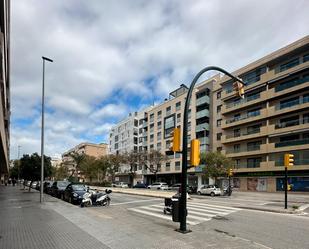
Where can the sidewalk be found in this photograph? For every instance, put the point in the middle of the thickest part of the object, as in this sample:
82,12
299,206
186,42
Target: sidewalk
271,197
27,224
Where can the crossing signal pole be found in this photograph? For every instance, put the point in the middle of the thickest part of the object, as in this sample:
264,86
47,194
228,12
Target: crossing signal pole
288,162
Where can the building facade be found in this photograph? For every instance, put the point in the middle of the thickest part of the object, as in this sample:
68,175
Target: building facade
255,132
272,119
5,87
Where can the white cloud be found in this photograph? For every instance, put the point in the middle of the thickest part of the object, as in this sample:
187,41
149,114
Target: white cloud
114,51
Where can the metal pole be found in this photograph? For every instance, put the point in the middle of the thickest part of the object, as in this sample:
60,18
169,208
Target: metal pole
42,129
42,136
18,153
183,196
286,188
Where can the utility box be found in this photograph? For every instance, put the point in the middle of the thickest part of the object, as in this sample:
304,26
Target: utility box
175,209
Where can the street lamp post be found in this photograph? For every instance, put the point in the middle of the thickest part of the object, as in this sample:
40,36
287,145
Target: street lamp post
183,197
18,155
42,129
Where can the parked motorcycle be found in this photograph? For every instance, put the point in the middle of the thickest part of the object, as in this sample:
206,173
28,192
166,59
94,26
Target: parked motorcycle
227,191
96,198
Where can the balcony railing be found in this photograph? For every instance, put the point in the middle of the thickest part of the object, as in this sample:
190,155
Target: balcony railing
201,114
292,103
290,123
204,140
246,133
292,143
242,101
202,127
296,162
246,165
202,100
249,115
290,84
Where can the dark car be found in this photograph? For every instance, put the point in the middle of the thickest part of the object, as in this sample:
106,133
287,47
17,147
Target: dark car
47,186
74,193
58,188
140,185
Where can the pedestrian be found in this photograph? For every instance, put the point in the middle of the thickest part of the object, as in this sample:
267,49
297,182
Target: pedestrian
14,182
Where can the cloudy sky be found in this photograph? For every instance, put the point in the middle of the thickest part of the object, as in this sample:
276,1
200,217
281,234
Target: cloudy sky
114,57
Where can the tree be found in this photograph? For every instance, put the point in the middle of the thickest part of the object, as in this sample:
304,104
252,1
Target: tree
89,167
132,159
61,172
114,162
78,159
154,160
30,167
103,164
216,164
14,171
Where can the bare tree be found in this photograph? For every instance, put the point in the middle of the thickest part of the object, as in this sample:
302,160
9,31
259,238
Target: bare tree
114,162
132,159
154,160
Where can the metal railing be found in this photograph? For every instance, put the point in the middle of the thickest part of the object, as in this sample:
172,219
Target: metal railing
249,115
202,100
292,143
243,101
203,113
291,83
250,132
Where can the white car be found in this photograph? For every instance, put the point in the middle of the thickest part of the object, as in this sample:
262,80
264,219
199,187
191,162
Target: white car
209,190
159,186
120,185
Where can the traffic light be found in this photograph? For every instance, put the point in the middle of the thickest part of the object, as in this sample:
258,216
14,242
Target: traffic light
288,160
239,89
230,172
175,146
195,152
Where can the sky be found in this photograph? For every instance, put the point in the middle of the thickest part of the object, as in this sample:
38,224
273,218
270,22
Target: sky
116,57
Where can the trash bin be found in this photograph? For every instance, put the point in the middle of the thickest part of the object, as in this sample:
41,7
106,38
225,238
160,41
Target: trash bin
175,209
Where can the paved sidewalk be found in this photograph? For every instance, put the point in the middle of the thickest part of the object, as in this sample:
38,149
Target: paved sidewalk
27,224
273,199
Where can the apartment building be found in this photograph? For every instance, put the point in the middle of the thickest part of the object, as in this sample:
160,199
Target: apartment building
126,137
160,121
5,87
89,149
271,120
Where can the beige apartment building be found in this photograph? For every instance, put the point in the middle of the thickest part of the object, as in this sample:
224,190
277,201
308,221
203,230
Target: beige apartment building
5,88
89,149
160,121
272,119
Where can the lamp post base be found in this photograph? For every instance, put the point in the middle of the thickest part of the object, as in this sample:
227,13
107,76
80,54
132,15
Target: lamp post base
184,232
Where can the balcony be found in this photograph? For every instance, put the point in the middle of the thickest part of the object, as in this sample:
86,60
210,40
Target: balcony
202,127
290,126
145,124
201,114
231,137
291,84
204,140
292,143
202,100
296,105
252,150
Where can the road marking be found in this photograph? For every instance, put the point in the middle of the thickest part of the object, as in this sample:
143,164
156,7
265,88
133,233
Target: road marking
197,212
303,207
129,202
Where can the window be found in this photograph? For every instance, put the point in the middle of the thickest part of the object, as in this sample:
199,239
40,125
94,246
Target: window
178,106
236,132
189,126
237,163
177,155
219,135
219,95
178,118
151,138
289,102
287,122
151,117
236,148
167,144
189,113
254,145
151,127
159,134
219,122
306,58
219,108
168,110
254,162
159,114
306,118
159,124
168,166
177,165
169,124
288,65
116,138
253,113
158,146
219,149
135,122
253,129
306,98
151,147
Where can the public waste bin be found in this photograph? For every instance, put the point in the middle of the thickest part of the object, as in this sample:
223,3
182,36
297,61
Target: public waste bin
175,209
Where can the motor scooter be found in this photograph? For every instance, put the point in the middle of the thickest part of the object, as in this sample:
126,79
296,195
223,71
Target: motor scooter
96,198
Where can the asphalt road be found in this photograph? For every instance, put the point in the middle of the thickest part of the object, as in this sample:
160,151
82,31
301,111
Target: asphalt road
215,224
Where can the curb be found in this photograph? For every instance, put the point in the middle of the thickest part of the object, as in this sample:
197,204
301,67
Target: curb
270,210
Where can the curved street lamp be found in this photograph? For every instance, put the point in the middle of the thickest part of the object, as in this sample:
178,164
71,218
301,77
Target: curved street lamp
183,197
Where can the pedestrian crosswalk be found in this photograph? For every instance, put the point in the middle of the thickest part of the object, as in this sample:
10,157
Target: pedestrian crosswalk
197,212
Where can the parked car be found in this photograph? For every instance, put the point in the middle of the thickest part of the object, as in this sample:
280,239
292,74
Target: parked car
209,190
74,193
33,185
175,186
140,185
120,185
158,185
58,188
47,186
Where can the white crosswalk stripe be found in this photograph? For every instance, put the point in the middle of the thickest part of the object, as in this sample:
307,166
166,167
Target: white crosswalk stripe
197,212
